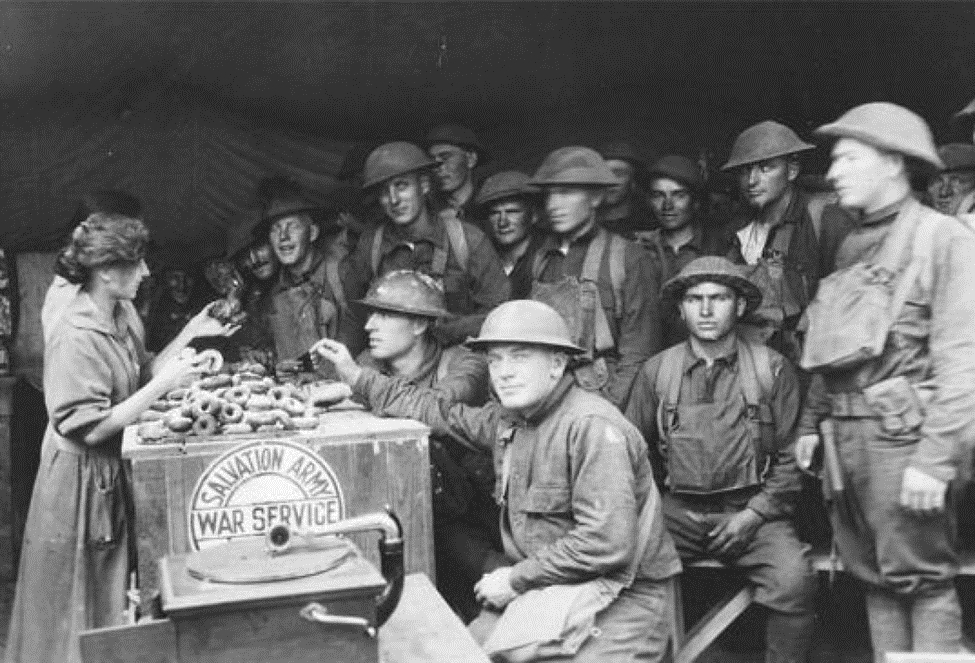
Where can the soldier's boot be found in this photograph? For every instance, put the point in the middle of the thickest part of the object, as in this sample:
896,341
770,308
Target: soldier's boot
788,636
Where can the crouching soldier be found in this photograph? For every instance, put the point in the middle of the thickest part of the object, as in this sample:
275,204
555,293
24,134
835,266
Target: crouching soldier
578,498
892,343
721,413
402,307
604,285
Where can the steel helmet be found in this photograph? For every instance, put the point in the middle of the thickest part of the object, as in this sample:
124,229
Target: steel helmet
574,165
506,184
957,156
392,159
765,140
524,321
409,292
886,126
457,134
712,269
678,168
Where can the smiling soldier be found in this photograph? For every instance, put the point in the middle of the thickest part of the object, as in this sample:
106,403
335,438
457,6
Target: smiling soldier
580,509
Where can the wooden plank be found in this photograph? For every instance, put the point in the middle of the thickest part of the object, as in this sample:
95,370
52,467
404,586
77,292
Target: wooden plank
713,624
921,657
148,642
423,629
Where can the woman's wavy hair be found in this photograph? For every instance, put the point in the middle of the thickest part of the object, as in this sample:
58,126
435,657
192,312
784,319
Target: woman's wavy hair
103,239
106,201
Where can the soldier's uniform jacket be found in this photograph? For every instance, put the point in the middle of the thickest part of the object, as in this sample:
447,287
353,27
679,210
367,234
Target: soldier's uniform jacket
719,392
578,477
932,345
470,293
637,334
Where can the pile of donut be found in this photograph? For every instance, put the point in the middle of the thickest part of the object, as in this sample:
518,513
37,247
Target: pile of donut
230,399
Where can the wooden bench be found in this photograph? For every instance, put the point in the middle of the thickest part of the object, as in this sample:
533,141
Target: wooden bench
690,644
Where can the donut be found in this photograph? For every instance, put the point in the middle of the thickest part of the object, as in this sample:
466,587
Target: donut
278,394
256,386
235,429
177,394
186,409
328,393
257,419
178,424
160,405
239,395
305,423
257,403
205,406
231,413
152,431
205,425
213,359
268,428
151,415
216,382
294,407
283,418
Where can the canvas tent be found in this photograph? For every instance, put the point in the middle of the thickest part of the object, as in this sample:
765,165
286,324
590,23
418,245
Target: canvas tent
188,104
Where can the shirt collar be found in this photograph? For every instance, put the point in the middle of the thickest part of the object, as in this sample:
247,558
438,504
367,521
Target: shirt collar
555,242
83,313
693,360
883,213
434,233
288,280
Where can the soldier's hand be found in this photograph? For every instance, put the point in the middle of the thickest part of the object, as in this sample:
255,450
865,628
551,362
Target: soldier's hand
339,355
494,590
922,492
733,534
806,447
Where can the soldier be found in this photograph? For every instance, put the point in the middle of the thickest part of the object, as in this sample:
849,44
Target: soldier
415,237
624,210
951,190
603,284
402,307
457,152
893,386
307,301
677,194
775,230
720,415
573,479
510,207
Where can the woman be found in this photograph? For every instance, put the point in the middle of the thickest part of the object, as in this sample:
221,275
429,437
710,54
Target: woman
78,545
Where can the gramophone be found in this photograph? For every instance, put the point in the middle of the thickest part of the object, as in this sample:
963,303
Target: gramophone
294,595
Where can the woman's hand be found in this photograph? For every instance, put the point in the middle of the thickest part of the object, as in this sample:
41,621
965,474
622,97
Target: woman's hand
204,324
339,355
182,368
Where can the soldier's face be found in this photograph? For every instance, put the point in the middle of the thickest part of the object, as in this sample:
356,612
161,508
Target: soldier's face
392,335
861,174
711,311
672,202
291,238
948,189
569,208
454,165
623,171
524,375
510,220
765,182
403,197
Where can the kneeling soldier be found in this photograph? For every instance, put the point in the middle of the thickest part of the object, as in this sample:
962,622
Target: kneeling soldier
721,413
578,498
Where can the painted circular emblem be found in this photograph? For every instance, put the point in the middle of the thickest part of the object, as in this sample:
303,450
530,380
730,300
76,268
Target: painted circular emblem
257,485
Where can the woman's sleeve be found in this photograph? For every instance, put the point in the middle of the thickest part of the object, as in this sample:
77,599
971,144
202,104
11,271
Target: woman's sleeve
77,384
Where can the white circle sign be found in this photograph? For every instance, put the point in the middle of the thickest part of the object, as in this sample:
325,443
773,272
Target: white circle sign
257,485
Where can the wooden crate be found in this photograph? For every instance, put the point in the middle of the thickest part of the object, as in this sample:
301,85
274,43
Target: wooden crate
194,494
